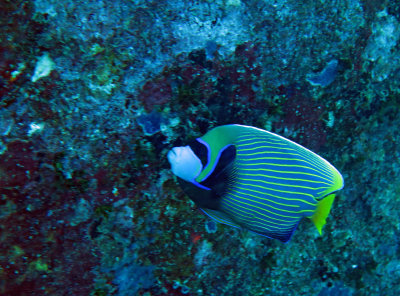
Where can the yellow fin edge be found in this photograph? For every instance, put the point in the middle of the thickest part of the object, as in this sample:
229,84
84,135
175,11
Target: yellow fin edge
322,212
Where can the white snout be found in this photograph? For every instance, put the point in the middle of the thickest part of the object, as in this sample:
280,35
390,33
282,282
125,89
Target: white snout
184,163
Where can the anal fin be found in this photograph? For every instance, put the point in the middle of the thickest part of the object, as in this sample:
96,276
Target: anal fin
220,217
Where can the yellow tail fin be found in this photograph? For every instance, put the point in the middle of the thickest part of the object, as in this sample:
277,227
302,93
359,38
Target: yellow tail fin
322,212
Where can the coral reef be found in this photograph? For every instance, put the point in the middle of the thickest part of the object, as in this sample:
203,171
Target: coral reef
93,94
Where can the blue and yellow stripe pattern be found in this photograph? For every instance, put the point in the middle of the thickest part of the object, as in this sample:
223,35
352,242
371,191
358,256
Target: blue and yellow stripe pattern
273,182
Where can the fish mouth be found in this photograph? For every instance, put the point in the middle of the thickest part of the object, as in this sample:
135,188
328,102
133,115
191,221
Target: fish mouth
172,155
172,151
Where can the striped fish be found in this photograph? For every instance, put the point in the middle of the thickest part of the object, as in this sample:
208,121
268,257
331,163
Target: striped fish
250,178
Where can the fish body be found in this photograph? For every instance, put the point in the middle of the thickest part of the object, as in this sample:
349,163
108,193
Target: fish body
246,177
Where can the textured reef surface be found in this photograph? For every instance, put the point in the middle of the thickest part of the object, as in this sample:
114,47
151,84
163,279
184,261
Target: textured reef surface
94,93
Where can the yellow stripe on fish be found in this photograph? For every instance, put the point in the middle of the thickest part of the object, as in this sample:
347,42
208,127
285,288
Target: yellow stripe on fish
250,178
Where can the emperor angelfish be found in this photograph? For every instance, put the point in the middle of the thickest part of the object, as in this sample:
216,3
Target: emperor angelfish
246,177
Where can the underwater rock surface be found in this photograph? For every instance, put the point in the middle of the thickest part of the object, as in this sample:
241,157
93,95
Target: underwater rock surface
93,94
